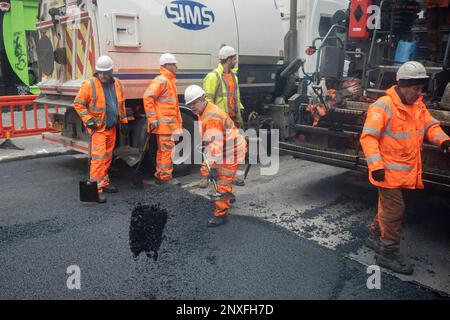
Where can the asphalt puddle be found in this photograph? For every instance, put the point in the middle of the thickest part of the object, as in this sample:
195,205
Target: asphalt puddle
146,229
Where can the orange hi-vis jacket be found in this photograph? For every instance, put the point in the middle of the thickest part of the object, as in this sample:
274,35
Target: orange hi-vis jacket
90,102
161,103
392,140
223,141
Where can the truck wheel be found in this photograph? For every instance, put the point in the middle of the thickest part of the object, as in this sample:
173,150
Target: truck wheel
188,124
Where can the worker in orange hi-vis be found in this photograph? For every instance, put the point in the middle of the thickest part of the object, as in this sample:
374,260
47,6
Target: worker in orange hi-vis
392,138
225,147
222,89
101,105
164,117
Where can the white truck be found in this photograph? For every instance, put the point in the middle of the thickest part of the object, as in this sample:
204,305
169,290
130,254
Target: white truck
72,34
313,20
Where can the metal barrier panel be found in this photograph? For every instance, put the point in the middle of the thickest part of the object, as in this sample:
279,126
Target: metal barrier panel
21,117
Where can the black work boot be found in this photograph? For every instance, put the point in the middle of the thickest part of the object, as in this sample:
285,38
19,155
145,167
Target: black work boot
101,197
394,262
110,189
238,182
217,221
374,243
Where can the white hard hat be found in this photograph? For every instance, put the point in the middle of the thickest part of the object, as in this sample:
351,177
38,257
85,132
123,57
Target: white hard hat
167,58
104,63
412,70
226,51
192,93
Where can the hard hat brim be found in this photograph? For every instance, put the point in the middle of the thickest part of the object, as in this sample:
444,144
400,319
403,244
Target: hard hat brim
193,99
103,69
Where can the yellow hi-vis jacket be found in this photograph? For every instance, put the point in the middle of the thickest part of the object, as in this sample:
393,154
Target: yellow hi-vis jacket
217,92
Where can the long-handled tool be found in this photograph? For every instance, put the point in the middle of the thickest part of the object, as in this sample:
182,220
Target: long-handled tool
88,189
137,178
128,154
217,196
247,170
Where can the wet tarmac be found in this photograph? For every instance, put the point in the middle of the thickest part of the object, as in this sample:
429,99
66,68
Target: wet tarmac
160,249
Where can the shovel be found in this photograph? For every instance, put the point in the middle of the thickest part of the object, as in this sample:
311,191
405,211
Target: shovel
137,178
88,189
247,170
131,156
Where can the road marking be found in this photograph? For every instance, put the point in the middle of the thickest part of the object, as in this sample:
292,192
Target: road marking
41,151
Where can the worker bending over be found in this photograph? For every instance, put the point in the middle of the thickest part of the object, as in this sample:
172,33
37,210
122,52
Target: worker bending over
225,146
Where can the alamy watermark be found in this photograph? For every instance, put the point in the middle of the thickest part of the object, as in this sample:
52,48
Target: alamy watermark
74,280
248,147
374,281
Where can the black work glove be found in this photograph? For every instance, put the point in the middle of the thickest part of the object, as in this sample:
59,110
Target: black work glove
124,129
445,146
213,175
91,124
378,175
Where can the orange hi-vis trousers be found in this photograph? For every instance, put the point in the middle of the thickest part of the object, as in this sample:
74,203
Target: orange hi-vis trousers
102,154
164,163
226,173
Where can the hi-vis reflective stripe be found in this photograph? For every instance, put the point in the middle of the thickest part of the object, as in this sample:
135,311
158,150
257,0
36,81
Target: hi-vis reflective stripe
231,94
383,105
167,120
439,136
213,114
372,131
122,89
162,80
84,113
95,109
101,185
374,158
224,183
108,155
80,102
397,167
163,99
431,123
150,94
226,172
164,166
94,92
150,113
219,92
396,135
167,147
229,124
